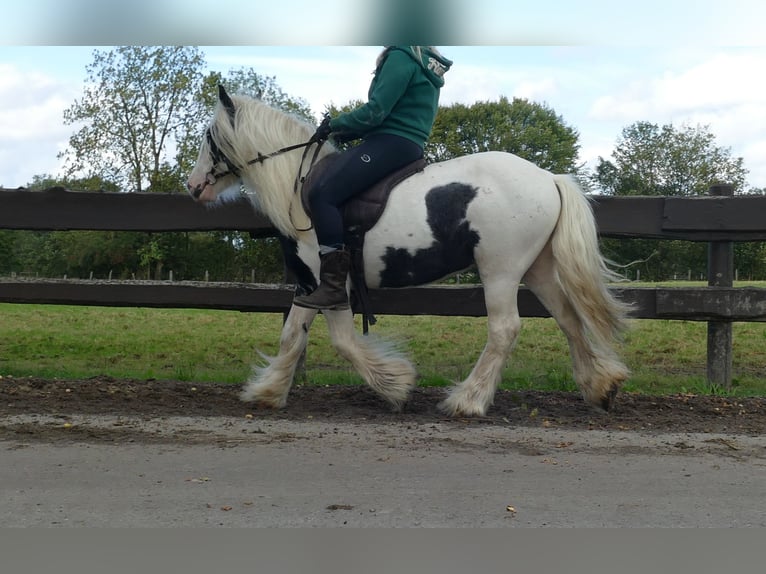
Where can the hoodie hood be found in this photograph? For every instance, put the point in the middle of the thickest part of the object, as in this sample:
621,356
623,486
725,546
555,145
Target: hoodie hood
434,65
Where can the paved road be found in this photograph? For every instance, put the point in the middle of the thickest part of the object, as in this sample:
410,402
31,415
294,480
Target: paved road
224,472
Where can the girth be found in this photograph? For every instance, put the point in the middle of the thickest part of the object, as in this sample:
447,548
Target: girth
360,214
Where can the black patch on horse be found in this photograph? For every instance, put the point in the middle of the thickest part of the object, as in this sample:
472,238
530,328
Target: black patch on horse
297,270
454,241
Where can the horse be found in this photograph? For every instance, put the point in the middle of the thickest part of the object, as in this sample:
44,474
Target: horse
517,223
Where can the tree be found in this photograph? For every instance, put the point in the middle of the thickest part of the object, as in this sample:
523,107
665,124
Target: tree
528,129
138,101
91,183
56,253
9,251
667,161
143,115
653,160
265,88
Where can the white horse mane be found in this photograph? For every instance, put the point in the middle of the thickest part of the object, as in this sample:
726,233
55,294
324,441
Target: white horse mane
260,129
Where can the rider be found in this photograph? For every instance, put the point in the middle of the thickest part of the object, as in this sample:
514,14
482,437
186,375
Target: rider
393,125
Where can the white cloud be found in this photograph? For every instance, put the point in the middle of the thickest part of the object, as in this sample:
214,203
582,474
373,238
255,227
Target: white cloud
721,90
598,91
31,121
723,81
756,151
467,84
336,76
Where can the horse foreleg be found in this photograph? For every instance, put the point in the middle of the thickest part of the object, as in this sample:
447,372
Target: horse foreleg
389,373
475,394
269,384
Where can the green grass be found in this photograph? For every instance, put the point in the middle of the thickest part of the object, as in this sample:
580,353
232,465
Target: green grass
684,283
66,342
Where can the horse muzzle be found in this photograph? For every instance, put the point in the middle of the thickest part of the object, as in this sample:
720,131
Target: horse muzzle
195,192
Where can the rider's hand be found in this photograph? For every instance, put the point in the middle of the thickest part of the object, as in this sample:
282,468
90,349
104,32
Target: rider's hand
324,130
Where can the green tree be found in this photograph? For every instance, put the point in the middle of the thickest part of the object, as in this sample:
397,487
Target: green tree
528,129
667,161
248,81
91,183
9,251
137,102
143,114
56,253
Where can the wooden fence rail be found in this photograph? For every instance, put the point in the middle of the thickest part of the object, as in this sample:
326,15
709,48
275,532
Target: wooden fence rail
714,218
679,303
719,219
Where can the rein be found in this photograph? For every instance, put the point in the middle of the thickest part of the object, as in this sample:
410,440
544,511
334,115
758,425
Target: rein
217,156
261,157
298,178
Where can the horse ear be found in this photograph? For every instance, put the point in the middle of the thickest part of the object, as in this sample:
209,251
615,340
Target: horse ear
228,105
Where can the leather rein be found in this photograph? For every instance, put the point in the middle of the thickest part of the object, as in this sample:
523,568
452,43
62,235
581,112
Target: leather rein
218,156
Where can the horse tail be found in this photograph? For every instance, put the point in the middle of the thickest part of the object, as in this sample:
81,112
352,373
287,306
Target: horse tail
582,270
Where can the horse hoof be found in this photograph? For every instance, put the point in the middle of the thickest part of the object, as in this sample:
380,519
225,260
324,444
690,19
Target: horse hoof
608,400
262,399
452,408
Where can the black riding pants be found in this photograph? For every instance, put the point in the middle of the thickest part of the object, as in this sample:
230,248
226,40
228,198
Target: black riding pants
354,171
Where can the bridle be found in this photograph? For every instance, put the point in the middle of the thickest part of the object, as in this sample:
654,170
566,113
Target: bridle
217,156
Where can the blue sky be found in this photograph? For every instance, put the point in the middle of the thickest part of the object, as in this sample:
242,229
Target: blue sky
598,65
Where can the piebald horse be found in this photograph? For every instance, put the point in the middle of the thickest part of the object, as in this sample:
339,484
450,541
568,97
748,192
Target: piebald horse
516,222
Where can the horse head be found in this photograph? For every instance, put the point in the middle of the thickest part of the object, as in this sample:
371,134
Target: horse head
214,169
249,142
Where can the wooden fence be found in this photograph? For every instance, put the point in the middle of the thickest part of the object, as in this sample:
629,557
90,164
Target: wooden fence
718,219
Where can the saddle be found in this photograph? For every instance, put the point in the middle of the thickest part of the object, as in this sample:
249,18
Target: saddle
360,214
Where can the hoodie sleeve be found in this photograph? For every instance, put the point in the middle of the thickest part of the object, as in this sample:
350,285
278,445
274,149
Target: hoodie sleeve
389,85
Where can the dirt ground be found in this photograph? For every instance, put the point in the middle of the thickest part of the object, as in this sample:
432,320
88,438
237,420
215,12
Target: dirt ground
108,453
348,404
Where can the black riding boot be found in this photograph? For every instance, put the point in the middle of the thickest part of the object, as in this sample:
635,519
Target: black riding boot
331,293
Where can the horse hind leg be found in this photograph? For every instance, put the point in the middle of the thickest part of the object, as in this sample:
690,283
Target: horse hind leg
474,395
389,373
270,384
598,372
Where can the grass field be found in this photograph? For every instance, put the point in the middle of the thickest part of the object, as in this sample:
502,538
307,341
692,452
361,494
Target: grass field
69,342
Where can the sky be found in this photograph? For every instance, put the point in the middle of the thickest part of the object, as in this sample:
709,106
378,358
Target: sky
601,66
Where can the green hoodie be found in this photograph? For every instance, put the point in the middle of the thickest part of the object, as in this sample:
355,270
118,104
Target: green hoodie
403,97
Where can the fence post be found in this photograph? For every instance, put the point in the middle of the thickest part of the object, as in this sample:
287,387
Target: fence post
720,273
